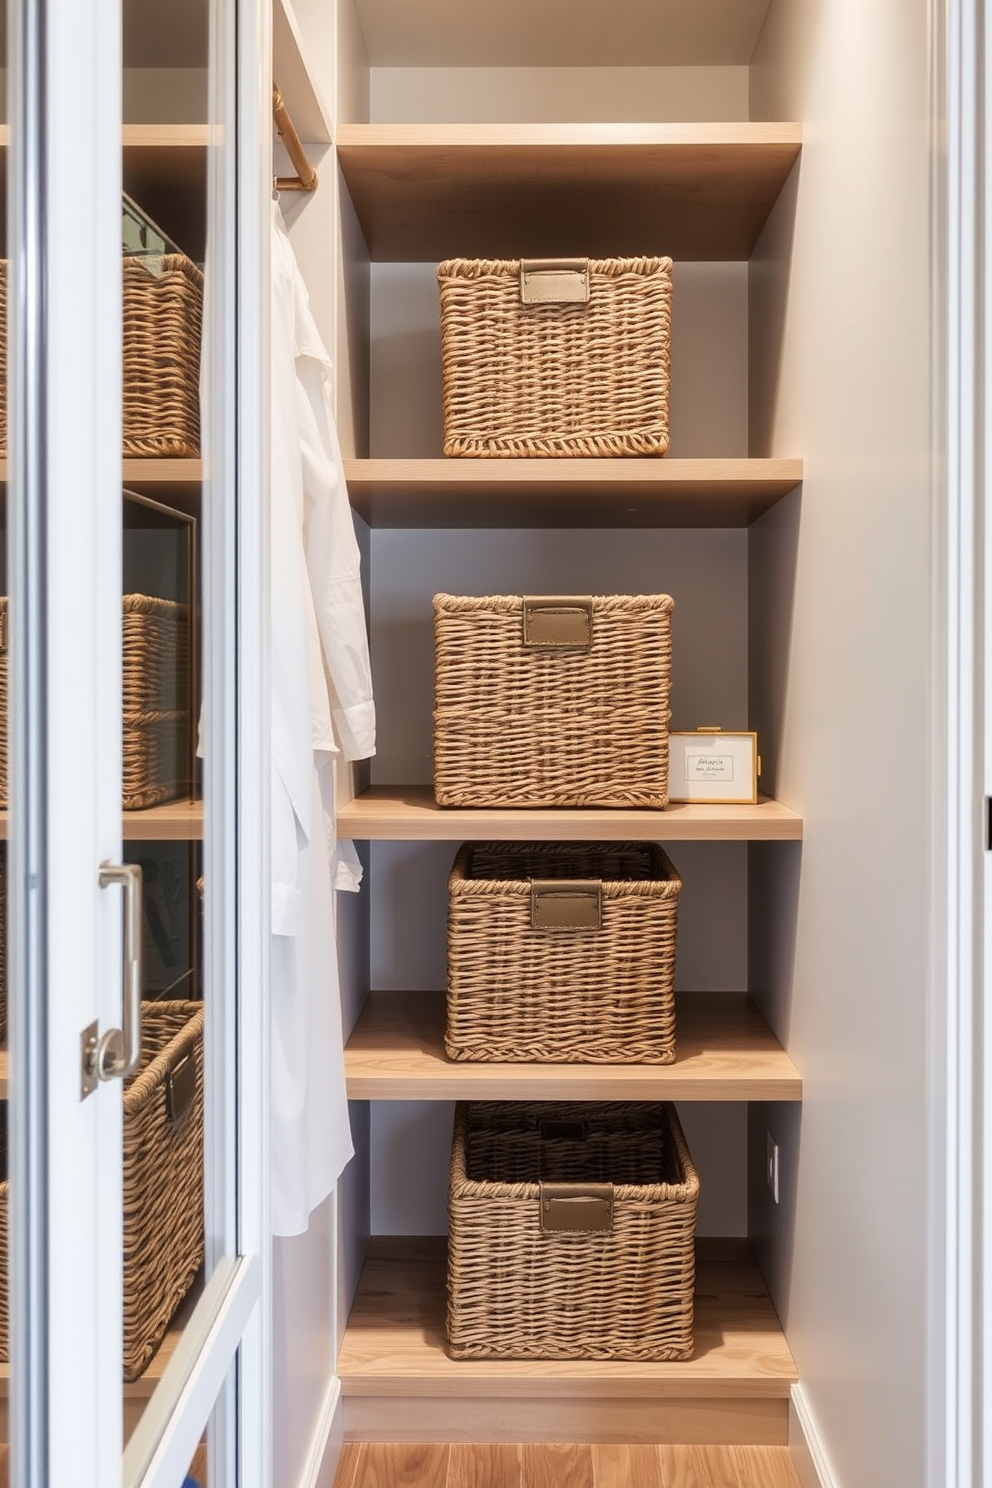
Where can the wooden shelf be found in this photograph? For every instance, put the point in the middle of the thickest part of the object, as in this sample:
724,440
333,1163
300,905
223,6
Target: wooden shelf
693,191
176,821
410,814
568,493
396,1377
176,483
725,1052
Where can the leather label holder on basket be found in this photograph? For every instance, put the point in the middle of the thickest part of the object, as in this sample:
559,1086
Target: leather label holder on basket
180,1088
566,904
577,1206
554,281
557,622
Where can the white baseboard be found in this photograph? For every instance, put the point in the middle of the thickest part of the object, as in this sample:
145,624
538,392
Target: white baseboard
325,1448
808,1456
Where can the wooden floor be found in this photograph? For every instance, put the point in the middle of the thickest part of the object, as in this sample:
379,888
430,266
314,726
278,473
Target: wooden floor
392,1465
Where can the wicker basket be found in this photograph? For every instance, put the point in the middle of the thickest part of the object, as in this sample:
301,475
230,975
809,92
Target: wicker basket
570,1232
156,758
156,762
555,358
552,701
562,953
163,1182
163,314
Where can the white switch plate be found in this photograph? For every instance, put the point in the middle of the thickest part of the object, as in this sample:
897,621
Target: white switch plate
771,1165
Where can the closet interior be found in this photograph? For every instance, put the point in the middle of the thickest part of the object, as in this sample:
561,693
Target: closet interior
562,136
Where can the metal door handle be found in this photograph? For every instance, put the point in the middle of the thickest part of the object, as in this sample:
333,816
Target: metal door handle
118,1052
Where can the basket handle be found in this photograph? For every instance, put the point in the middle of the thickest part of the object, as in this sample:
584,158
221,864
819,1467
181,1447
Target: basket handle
577,1206
554,281
557,622
566,904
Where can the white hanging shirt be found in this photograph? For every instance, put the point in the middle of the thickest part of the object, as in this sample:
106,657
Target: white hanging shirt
321,703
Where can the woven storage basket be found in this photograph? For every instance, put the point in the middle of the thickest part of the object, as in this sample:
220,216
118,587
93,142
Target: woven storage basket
163,1182
524,1281
156,759
3,944
163,314
156,704
552,701
528,368
562,952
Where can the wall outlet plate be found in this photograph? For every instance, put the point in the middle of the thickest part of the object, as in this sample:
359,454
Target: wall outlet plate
771,1165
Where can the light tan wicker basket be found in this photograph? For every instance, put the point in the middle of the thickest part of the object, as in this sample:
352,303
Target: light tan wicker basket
551,358
156,703
163,1182
157,763
559,701
570,1232
562,953
163,1176
163,314
3,944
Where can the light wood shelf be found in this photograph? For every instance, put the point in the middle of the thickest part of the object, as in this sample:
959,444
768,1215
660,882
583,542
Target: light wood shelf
396,1376
693,191
568,493
725,1051
410,814
176,483
176,821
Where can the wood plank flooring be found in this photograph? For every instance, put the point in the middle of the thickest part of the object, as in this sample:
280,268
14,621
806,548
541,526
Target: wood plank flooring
397,1465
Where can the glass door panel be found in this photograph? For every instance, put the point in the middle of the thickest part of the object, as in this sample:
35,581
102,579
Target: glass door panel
135,1272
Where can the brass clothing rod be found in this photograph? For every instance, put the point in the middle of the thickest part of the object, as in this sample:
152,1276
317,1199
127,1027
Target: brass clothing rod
306,177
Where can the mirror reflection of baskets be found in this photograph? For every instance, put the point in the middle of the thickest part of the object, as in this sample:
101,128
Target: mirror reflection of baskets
162,327
163,1182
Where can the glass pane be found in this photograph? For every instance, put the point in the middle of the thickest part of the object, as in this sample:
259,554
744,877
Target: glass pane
167,1262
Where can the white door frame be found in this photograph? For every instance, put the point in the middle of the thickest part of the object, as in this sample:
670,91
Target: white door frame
960,1030
65,648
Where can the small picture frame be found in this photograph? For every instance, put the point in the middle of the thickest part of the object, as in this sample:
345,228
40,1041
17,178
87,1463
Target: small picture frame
709,765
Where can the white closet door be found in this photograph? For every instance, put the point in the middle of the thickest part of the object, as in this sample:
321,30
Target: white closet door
72,933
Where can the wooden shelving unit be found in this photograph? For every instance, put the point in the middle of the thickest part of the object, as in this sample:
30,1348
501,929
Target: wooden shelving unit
694,191
175,821
725,1051
568,493
409,813
399,1384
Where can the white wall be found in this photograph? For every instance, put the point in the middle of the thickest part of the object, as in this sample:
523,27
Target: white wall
548,95
839,669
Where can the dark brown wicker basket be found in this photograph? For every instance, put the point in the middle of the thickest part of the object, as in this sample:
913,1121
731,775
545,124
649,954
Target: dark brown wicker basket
562,953
562,358
163,315
163,1183
552,701
570,1232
